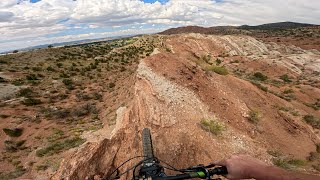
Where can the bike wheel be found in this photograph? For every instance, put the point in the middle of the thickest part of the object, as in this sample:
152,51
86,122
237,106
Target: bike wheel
147,145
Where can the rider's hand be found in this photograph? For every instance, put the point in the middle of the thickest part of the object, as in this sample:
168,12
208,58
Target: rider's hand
241,167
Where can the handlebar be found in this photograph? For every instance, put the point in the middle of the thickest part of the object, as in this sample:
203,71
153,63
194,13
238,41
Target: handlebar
191,175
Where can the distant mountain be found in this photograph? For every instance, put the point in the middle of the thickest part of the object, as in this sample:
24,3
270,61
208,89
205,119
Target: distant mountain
84,41
279,25
234,29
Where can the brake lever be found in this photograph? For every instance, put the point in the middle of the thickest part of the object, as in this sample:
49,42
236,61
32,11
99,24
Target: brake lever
211,165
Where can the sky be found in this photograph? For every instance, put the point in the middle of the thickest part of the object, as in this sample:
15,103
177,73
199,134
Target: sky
25,23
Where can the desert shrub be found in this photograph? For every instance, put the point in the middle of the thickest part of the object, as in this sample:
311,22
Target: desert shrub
2,80
206,58
259,76
112,85
19,171
31,77
314,156
315,106
18,82
59,65
31,101
63,75
287,163
36,68
26,92
4,116
85,110
83,96
12,146
60,146
217,69
276,83
68,83
3,62
254,116
313,121
122,69
50,68
288,91
274,153
218,61
285,78
260,86
16,132
97,96
212,126
42,167
60,113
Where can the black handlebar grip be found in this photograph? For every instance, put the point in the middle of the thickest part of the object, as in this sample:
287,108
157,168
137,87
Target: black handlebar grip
219,171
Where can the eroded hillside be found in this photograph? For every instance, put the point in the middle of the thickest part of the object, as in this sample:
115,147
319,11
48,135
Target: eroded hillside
258,98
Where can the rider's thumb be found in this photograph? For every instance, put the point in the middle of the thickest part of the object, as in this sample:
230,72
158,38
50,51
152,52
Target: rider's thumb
221,163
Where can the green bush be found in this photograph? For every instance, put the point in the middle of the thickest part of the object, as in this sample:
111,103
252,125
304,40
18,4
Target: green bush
288,91
313,121
67,82
254,116
2,80
36,68
13,132
260,86
3,62
259,76
4,116
57,147
60,113
59,65
285,78
42,167
18,82
112,85
12,146
218,70
212,126
85,110
315,106
31,102
19,171
287,163
32,77
26,92
50,68
218,61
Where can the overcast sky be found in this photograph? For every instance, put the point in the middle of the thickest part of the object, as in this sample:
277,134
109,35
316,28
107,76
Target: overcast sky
25,23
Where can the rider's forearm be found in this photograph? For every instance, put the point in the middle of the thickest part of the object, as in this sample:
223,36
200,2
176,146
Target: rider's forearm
274,173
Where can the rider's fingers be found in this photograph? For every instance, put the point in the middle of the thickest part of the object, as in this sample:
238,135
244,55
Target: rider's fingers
221,163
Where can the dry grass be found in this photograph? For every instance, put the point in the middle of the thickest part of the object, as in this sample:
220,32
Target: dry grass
255,116
212,126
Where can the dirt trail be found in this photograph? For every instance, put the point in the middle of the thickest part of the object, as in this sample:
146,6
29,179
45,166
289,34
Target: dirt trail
173,113
172,96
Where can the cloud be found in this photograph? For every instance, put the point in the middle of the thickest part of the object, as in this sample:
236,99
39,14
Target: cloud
5,16
36,22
